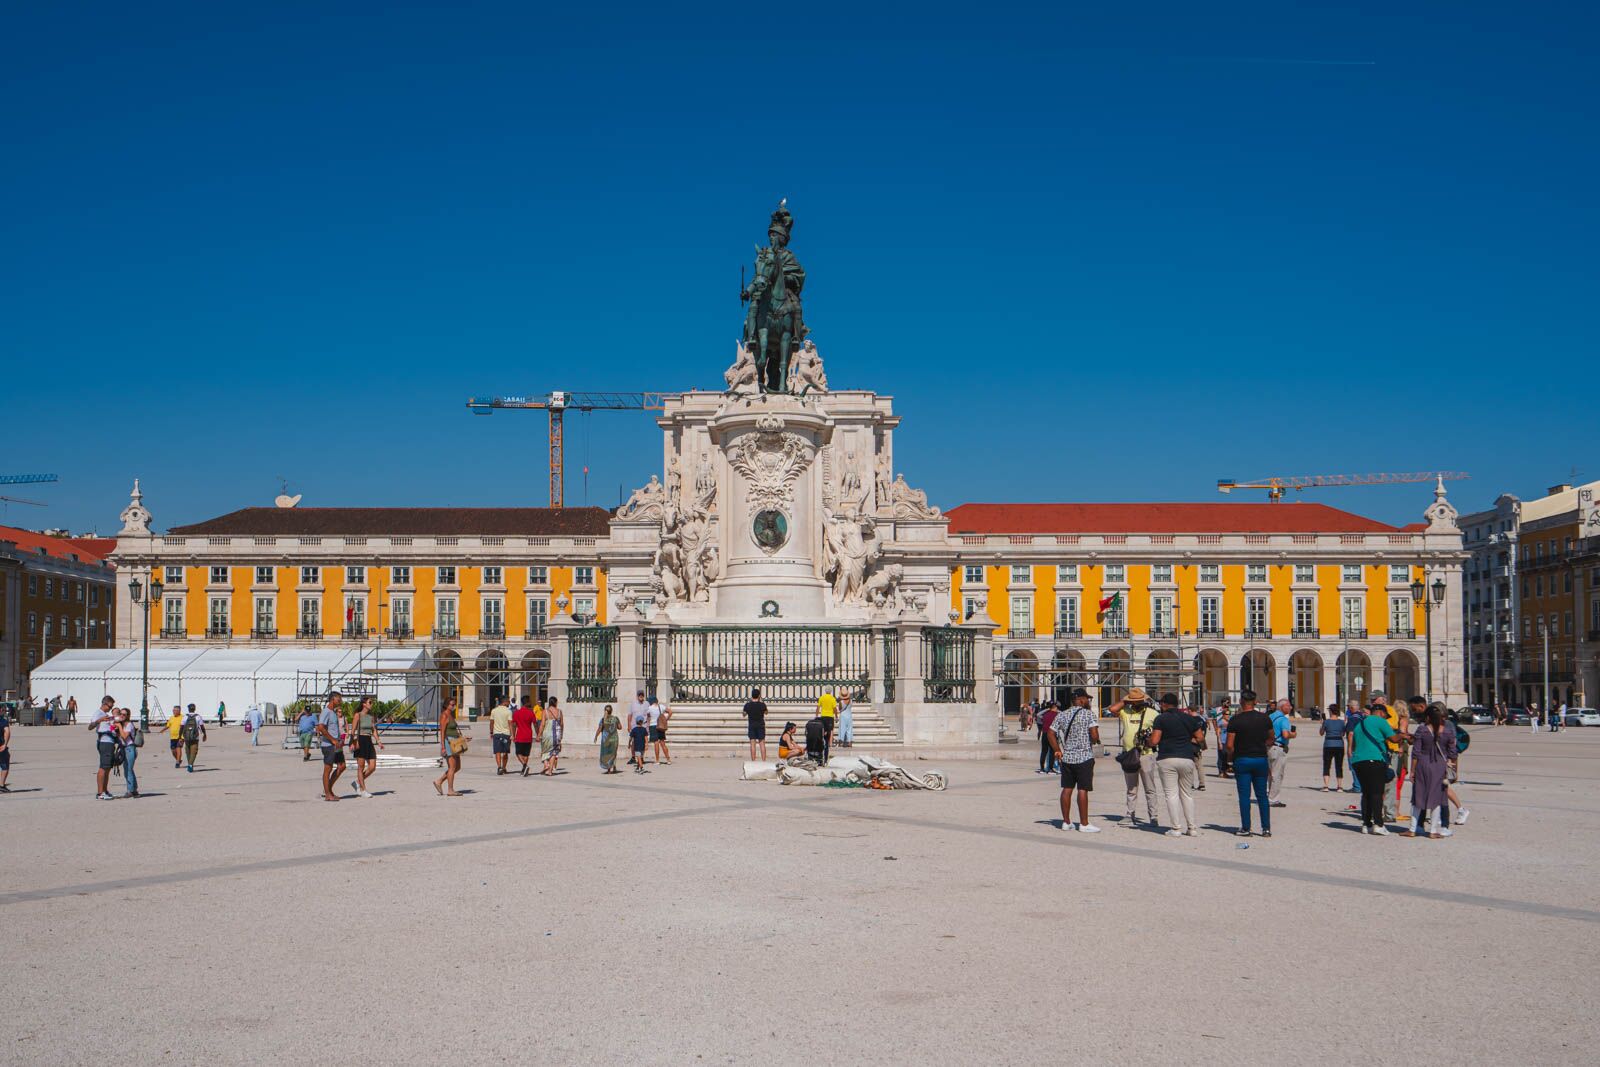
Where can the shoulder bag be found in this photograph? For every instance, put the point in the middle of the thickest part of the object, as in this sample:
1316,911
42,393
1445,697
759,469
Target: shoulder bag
458,745
1128,758
1388,768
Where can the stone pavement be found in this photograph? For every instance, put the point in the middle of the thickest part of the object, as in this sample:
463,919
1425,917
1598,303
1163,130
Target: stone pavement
686,917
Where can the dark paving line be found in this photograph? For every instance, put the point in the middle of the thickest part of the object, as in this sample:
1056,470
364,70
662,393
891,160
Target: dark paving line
292,862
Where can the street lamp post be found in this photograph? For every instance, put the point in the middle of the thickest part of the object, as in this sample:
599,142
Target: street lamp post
135,588
1420,595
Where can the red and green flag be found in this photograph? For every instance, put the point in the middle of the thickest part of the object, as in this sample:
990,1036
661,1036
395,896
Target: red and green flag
1110,603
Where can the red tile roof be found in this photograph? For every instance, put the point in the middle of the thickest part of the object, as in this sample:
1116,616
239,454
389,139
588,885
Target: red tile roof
1211,518
379,522
83,549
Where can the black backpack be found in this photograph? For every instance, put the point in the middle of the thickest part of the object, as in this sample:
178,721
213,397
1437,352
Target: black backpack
191,730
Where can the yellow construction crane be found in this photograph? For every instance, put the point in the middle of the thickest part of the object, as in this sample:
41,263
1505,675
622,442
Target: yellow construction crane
1277,484
559,402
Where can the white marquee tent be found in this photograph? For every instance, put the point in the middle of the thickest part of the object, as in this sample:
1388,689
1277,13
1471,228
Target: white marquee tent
238,676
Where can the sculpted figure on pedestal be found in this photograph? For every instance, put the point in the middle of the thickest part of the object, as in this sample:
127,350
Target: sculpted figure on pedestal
880,589
647,502
910,503
687,561
884,477
807,375
853,493
849,547
743,377
774,326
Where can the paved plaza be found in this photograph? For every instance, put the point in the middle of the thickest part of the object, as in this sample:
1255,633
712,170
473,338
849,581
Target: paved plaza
684,916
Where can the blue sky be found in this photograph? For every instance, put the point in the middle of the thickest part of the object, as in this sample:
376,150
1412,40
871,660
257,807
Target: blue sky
1095,252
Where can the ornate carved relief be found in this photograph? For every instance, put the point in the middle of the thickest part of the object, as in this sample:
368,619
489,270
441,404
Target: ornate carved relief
770,460
910,503
647,502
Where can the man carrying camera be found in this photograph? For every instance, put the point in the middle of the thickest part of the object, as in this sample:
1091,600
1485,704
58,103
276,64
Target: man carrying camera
1138,757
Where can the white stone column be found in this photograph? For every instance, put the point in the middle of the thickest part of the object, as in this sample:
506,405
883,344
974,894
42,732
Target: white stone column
560,627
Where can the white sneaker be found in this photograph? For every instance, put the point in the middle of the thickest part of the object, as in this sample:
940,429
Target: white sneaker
1461,816
1446,832
1068,826
1379,831
1174,833
364,793
1085,828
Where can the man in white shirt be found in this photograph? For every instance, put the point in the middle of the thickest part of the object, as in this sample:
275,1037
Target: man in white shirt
253,718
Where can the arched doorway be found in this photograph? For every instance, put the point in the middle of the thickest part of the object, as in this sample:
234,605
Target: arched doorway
491,680
1258,672
1401,679
535,680
1019,680
1068,672
447,667
1353,676
1114,675
1161,674
1305,679
1211,675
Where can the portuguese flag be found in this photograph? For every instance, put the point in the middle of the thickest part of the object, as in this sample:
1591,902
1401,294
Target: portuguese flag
1110,602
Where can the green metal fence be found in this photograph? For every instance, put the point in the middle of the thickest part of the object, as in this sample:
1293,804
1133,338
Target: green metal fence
949,671
592,664
789,664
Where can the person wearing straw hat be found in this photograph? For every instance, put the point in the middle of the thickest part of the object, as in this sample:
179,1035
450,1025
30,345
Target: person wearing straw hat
1137,716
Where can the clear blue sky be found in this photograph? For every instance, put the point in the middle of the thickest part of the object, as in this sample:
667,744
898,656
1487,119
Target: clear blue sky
1094,251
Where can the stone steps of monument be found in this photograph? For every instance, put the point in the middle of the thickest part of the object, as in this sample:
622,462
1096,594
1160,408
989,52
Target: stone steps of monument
726,725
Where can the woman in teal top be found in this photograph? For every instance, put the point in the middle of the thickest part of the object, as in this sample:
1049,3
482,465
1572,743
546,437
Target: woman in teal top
1369,762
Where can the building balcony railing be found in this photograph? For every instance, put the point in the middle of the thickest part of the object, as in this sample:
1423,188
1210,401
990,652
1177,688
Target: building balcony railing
537,632
1068,631
398,633
492,633
1117,633
1020,633
1306,632
1210,632
1167,632
1358,633
218,631
1402,633
308,633
1258,631
354,633
449,633
264,633
174,631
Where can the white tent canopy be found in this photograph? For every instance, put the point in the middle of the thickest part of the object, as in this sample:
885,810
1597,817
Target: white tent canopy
238,677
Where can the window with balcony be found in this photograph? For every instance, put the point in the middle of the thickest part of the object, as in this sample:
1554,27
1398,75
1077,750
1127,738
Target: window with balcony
266,618
172,617
1161,620
400,575
447,624
445,575
493,576
310,575
1114,621
1067,623
1066,572
1255,615
310,616
1352,611
1400,616
1255,572
1116,573
1210,615
1161,572
1305,573
1021,574
1350,574
355,617
1210,573
217,617
583,609
972,574
264,576
1022,616
219,576
494,617
538,616
400,617
1305,616
355,576
583,576
174,576
538,575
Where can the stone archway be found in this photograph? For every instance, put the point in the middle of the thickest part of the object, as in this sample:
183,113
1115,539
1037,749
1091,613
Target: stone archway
1401,677
1114,675
1352,676
1305,680
491,680
534,681
1211,676
1258,672
1019,680
1068,672
447,668
1162,674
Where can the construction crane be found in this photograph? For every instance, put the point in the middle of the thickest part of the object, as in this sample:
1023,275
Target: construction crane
557,404
24,479
1276,485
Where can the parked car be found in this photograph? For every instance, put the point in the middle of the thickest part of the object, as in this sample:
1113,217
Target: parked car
1516,716
1582,717
1475,713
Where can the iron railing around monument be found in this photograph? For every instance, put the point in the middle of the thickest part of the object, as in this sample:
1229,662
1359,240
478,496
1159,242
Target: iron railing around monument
649,660
789,664
949,665
891,663
592,664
